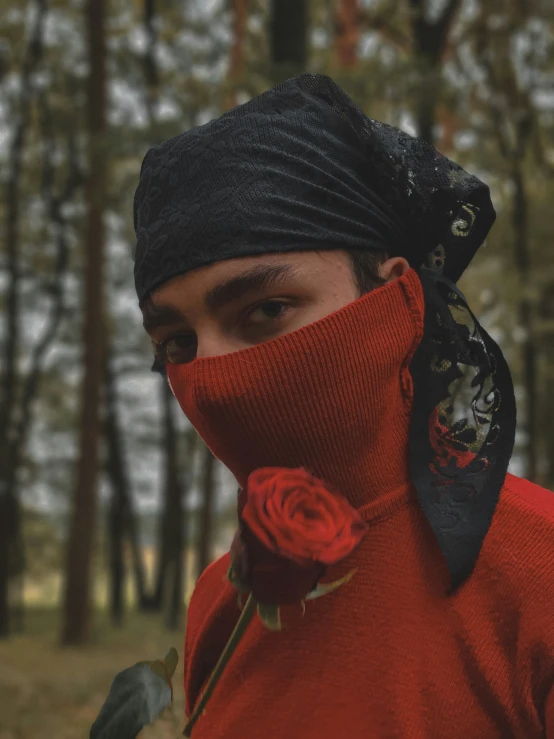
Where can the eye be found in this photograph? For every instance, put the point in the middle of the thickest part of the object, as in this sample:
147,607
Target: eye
176,350
269,311
183,348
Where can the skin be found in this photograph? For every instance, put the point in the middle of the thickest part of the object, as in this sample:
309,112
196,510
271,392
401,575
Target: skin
317,284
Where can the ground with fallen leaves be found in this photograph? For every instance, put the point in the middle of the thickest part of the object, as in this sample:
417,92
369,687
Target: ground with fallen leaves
47,692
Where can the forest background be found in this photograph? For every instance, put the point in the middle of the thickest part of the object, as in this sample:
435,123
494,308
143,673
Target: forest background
110,504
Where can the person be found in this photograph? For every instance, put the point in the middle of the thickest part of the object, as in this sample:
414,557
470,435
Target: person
296,268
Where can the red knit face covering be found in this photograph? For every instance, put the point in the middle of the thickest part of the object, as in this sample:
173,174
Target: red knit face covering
333,396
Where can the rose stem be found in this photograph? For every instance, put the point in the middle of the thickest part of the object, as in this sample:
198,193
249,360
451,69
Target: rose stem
245,618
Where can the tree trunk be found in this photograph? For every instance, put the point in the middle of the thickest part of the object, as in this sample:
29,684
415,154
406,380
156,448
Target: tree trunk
122,520
116,525
9,504
115,468
22,428
236,55
82,528
546,314
347,33
288,38
150,66
430,39
511,113
155,600
549,441
520,225
206,516
180,538
176,595
165,531
131,526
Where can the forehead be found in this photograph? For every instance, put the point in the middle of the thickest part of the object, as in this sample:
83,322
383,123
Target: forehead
195,283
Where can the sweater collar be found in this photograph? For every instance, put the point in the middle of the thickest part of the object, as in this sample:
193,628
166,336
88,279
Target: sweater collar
334,397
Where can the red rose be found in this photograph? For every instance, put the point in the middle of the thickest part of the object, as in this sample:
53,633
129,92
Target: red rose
295,515
292,527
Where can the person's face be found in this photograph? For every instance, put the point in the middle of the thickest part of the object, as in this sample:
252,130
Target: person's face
237,303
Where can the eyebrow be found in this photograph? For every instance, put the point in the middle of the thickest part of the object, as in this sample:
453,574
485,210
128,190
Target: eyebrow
254,279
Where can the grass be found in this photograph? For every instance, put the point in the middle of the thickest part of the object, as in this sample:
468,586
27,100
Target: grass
47,691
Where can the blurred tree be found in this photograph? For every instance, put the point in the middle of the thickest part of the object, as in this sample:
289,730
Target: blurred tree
81,535
10,541
422,30
288,38
181,528
43,545
181,44
509,84
54,203
171,540
469,80
150,67
236,54
347,33
122,523
430,40
117,508
171,518
205,533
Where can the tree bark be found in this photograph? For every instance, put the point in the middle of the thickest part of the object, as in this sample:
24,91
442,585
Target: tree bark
117,474
176,557
150,66
171,511
76,613
21,427
513,122
430,39
131,525
347,33
288,38
525,309
236,55
122,518
9,504
546,315
206,516
116,525
181,534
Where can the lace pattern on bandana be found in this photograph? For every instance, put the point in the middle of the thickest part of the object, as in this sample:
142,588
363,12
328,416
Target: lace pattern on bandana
463,424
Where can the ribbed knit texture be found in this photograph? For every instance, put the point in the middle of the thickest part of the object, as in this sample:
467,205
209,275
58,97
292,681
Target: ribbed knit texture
331,396
389,654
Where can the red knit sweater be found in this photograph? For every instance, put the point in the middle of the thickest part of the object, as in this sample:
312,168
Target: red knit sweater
388,654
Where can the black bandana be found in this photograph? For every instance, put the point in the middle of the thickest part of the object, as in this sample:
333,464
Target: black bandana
301,167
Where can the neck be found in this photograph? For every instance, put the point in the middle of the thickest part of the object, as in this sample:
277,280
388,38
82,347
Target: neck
334,397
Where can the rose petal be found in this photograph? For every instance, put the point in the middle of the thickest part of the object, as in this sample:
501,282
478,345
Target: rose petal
294,515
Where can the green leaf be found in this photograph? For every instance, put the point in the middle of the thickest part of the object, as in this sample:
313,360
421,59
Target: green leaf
270,616
235,581
324,588
171,661
138,695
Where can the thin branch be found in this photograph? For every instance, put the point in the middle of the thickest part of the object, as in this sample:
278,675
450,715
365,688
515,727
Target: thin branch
30,63
381,22
446,21
73,181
